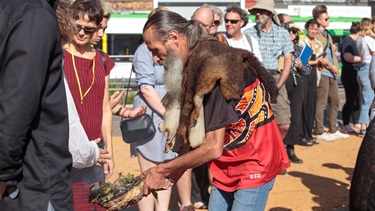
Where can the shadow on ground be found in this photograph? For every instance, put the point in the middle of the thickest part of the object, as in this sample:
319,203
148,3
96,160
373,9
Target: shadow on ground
348,171
323,187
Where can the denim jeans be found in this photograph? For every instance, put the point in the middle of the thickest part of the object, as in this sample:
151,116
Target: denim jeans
367,93
244,199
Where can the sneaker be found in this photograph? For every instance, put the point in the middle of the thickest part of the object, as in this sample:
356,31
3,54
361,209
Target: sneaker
339,134
362,133
325,137
347,129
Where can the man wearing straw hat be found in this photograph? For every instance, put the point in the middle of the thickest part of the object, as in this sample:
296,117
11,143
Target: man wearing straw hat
274,41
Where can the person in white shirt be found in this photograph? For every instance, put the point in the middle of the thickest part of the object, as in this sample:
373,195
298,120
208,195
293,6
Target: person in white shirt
236,18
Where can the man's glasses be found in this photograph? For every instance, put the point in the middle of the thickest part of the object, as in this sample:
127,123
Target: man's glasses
231,21
206,26
87,30
327,19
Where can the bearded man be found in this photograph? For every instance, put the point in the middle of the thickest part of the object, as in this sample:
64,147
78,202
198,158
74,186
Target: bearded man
218,105
274,41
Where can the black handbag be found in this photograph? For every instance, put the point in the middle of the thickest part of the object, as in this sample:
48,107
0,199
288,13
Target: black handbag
136,129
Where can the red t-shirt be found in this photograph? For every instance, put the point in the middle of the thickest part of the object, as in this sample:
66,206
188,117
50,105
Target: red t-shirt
90,111
254,151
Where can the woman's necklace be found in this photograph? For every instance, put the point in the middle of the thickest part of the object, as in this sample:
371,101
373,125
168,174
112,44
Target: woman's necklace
311,43
77,77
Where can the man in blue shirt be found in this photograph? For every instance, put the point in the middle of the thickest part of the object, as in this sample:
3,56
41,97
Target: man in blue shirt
274,41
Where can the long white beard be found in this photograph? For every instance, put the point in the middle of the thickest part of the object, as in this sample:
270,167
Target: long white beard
261,24
173,82
173,73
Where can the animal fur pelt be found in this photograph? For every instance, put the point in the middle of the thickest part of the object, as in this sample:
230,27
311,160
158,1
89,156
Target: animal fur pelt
362,189
209,63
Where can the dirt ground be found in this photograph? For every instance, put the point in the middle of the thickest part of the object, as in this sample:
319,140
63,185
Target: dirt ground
322,182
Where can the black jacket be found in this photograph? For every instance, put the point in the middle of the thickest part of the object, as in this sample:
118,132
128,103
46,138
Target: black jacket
34,154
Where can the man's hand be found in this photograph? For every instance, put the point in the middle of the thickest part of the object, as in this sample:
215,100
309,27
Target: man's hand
154,180
3,188
324,62
137,112
335,70
115,99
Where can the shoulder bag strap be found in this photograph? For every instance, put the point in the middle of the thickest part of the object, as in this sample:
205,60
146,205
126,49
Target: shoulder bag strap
221,38
127,90
250,42
103,58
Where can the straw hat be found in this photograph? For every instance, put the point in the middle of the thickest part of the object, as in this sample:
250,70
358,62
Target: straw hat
268,5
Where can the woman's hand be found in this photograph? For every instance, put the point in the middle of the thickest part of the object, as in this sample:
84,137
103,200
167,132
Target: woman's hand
109,166
137,112
298,63
115,99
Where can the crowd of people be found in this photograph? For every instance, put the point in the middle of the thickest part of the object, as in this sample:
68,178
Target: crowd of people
231,106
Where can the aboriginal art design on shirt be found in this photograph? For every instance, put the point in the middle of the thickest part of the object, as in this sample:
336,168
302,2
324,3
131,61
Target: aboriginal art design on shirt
254,111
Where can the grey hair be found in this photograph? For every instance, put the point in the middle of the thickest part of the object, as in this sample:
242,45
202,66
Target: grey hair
162,22
237,9
215,10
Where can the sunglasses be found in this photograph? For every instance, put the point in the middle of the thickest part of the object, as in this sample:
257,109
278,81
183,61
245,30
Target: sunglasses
256,11
327,19
294,31
231,21
217,22
87,30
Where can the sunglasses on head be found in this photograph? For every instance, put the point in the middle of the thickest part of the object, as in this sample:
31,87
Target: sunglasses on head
231,21
294,31
87,30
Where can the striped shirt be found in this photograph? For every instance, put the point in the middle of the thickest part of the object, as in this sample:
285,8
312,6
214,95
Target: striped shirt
272,44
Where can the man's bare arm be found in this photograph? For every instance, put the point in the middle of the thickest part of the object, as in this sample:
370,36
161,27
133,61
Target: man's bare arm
212,148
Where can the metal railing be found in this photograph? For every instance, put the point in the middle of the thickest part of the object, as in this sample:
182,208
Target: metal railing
119,77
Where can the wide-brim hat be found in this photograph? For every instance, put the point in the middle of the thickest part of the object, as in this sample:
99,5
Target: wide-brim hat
268,5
